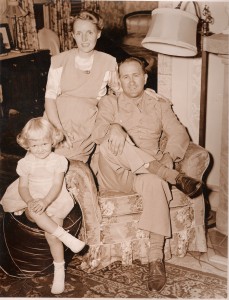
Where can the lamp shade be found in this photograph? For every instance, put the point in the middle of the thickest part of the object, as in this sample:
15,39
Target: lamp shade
14,9
172,32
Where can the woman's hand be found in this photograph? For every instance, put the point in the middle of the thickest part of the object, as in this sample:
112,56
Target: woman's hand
68,140
113,81
85,147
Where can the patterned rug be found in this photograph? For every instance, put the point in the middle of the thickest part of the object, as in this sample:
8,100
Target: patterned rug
117,281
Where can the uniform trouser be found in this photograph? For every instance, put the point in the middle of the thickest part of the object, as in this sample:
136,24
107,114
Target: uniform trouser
126,173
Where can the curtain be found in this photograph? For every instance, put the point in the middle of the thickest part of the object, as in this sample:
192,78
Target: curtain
61,22
27,33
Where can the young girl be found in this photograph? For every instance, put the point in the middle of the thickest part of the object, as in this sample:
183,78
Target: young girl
41,192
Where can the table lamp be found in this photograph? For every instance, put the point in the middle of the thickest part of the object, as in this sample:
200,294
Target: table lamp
175,32
15,12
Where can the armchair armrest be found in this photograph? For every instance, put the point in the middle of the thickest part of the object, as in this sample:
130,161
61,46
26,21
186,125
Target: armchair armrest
81,185
195,162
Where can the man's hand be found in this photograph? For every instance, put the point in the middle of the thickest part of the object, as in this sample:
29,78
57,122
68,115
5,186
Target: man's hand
116,140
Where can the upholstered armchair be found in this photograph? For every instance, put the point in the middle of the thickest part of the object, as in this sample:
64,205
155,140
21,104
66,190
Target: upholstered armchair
110,219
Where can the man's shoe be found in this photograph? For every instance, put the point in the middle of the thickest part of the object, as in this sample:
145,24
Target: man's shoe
157,278
188,185
84,250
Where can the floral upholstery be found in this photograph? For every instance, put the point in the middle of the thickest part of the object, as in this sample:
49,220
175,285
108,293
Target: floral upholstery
110,219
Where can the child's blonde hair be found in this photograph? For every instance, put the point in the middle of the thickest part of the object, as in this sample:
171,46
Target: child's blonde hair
39,129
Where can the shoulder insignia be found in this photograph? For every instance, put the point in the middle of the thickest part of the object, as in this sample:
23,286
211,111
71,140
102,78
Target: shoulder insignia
157,96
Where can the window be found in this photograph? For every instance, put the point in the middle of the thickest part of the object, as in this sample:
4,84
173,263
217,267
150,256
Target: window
39,16
76,6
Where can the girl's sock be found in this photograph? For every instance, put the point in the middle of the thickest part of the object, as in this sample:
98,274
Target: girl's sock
69,240
59,278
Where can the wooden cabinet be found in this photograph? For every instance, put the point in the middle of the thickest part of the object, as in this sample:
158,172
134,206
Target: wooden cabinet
23,79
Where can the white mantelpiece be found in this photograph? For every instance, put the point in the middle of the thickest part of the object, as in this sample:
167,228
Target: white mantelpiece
219,45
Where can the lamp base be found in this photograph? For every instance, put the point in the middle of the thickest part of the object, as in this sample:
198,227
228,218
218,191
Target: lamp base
16,50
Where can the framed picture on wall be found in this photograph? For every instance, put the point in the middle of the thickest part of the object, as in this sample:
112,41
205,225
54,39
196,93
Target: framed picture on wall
6,41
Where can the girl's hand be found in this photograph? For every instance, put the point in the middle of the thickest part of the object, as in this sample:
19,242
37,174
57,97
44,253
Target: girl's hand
30,205
38,206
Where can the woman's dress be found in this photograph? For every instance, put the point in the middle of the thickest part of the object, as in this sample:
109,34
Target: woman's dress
78,97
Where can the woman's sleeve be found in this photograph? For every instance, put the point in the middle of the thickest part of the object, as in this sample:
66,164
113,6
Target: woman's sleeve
103,89
107,79
53,83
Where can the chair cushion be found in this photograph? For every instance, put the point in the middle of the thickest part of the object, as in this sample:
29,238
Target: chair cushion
113,204
119,204
120,214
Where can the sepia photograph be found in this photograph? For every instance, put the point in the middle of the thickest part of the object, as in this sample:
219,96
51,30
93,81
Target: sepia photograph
114,149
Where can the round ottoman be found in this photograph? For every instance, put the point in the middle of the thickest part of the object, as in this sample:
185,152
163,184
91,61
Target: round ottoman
24,251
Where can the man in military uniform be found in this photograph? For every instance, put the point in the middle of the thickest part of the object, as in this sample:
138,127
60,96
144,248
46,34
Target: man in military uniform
128,129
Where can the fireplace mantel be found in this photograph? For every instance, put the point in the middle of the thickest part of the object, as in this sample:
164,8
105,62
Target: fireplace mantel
219,44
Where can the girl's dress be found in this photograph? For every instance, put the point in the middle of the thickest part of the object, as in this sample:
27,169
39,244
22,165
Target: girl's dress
41,174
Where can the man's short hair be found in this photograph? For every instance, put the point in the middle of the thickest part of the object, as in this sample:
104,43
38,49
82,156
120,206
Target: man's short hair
134,59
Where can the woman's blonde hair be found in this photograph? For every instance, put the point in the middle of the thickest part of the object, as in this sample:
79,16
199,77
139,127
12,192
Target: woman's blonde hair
91,16
39,129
